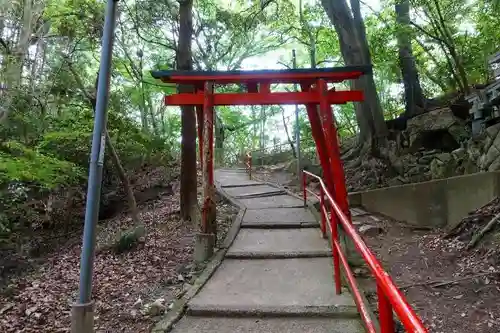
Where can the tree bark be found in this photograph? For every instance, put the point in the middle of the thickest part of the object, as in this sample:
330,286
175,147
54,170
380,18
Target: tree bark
154,121
15,60
219,140
188,117
452,49
355,51
441,34
437,81
414,98
124,179
115,159
143,109
370,89
290,141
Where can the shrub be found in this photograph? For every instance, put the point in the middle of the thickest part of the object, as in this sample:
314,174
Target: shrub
21,164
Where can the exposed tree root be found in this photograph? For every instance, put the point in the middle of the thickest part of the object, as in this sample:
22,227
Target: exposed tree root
477,237
478,217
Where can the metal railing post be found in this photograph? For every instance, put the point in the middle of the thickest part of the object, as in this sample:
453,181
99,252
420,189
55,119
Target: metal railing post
249,165
335,252
385,312
322,209
304,191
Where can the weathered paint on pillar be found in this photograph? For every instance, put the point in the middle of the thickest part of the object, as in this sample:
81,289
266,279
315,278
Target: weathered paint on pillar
319,139
331,137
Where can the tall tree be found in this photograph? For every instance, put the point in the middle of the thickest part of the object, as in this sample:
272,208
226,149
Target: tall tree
91,94
414,98
15,54
355,51
443,18
188,118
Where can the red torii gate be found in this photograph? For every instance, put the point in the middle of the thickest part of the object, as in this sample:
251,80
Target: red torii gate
315,95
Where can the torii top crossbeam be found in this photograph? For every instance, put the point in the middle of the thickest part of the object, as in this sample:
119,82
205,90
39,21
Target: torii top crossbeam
258,85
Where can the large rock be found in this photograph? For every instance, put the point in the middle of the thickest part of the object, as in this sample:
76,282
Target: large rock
426,159
492,131
402,163
469,167
459,154
443,166
417,170
492,154
474,149
495,165
436,129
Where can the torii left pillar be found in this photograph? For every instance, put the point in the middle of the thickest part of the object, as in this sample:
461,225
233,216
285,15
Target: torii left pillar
207,235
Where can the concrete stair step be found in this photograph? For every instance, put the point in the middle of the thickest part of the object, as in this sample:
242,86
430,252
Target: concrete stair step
277,287
277,201
191,324
278,243
278,218
250,190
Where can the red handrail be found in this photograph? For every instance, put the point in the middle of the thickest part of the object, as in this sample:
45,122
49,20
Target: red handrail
248,164
389,296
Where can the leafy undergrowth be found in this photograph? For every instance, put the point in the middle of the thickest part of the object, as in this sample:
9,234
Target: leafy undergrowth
125,285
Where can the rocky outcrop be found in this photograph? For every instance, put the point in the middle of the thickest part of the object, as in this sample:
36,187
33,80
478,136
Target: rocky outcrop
437,145
489,150
437,129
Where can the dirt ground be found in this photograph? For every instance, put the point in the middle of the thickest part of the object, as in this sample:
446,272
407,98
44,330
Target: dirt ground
40,298
423,263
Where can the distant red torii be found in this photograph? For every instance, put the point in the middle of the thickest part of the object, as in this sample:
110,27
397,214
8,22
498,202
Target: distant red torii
315,92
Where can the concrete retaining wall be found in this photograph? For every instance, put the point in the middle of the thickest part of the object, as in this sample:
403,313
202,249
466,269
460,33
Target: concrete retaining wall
437,203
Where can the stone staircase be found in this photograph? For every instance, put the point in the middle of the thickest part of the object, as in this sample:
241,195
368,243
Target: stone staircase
277,275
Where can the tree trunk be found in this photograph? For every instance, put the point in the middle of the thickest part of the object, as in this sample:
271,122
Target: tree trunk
437,81
355,51
452,49
15,61
143,109
254,126
290,141
154,122
219,141
370,89
414,98
188,117
115,159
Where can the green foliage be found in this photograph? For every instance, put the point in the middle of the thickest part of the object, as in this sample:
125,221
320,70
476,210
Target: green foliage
21,164
75,18
71,146
47,139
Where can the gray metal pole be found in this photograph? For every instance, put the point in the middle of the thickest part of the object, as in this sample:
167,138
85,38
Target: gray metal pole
97,156
82,312
297,127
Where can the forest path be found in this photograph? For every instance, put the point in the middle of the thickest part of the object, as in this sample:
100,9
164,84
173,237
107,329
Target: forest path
277,275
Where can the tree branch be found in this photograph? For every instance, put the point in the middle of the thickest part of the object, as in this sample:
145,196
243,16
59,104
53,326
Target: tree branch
285,65
431,35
